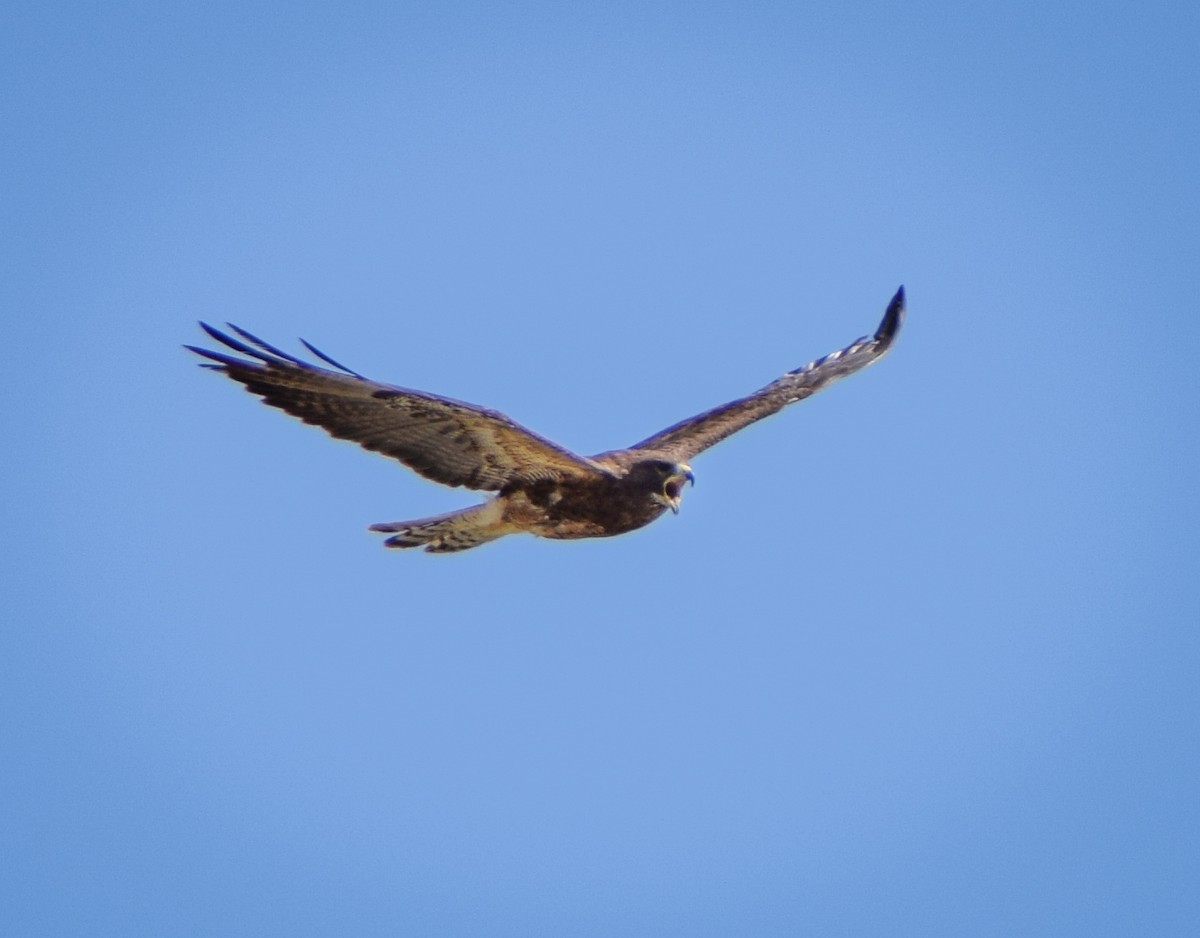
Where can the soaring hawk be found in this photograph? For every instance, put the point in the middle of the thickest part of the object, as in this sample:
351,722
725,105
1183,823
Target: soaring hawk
540,487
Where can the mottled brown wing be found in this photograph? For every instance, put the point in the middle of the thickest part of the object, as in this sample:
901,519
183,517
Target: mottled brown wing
685,439
445,440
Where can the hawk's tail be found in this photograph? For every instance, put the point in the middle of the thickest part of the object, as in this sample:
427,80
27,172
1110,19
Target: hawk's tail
442,534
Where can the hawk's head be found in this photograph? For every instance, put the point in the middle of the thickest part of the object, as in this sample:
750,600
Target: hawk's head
663,479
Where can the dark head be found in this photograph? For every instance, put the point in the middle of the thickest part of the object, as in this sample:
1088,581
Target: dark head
662,479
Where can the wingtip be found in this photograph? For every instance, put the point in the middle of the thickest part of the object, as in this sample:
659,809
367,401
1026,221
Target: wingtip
227,340
213,331
224,360
330,361
892,318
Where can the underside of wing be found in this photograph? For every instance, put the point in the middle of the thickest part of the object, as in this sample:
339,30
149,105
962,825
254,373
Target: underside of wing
449,441
685,439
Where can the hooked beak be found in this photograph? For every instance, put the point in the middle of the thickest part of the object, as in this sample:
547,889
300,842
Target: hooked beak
672,501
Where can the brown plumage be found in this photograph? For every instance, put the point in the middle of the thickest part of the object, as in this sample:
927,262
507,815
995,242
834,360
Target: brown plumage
541,487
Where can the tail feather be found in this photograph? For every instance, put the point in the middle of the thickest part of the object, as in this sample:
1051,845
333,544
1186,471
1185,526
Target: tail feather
444,534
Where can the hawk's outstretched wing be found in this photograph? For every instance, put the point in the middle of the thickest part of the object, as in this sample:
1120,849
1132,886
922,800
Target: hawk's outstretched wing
688,437
445,440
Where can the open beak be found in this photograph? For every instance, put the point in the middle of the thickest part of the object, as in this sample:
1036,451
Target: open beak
672,501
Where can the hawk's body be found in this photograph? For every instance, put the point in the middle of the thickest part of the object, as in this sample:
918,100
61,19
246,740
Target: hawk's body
541,488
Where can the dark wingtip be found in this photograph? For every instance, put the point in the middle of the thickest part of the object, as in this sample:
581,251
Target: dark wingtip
215,356
387,527
229,341
892,319
212,331
329,361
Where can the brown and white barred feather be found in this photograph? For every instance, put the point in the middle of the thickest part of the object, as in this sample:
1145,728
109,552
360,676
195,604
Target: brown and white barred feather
444,534
683,440
449,441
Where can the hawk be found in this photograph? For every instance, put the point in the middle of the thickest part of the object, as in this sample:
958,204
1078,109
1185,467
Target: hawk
540,487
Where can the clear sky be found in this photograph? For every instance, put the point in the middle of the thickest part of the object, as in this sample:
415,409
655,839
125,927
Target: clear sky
918,657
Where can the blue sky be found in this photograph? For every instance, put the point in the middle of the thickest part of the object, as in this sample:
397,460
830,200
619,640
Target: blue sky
918,656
